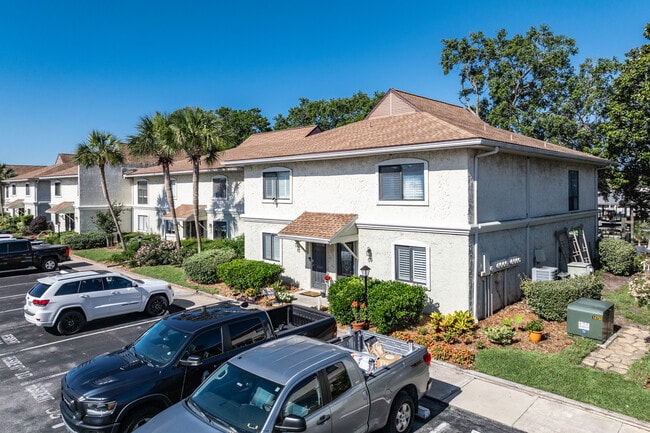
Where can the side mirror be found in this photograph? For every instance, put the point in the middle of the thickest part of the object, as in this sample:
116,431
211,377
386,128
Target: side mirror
292,423
190,361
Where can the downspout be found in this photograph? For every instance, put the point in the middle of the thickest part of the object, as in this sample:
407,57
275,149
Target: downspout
475,224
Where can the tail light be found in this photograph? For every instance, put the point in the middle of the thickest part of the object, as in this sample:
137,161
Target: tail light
427,358
41,302
67,251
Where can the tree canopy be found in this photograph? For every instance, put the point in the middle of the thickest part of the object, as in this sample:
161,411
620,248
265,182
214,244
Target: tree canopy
328,114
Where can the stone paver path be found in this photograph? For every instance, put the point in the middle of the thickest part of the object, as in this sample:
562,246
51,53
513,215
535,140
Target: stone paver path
630,344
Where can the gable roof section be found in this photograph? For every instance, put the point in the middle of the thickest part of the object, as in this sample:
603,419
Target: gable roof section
181,165
400,122
63,167
320,227
185,212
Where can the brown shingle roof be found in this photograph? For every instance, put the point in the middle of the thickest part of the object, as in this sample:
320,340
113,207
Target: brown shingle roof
317,225
422,121
63,207
186,212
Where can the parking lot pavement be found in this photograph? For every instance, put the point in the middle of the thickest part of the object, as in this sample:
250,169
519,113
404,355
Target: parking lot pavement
32,361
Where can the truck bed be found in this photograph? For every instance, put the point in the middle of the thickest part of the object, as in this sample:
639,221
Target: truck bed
375,352
295,319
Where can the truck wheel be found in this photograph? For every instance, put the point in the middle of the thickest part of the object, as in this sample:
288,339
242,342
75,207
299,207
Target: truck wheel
48,264
400,419
157,305
138,419
70,322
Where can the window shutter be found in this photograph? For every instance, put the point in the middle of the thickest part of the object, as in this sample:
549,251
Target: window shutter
403,263
419,265
276,247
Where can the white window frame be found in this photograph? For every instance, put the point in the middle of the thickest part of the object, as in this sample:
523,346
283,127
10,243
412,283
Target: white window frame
403,201
142,198
280,190
13,189
170,228
276,247
223,223
143,223
28,190
57,186
220,179
574,190
418,258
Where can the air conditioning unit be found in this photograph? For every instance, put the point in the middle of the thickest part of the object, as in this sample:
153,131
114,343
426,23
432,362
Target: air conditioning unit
579,268
544,273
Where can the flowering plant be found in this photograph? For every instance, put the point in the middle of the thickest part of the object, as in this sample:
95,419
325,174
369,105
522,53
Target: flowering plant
360,312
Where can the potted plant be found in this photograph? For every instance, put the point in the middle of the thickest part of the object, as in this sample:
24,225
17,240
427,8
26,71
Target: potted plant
360,315
535,328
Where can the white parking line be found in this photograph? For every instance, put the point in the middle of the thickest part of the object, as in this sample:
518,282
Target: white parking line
8,311
26,349
12,296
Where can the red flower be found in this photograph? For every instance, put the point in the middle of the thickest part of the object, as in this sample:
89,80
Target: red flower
327,277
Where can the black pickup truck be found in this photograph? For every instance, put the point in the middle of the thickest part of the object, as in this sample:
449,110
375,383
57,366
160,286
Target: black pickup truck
17,253
119,391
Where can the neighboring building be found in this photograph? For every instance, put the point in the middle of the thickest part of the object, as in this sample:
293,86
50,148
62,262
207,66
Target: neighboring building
14,189
221,200
420,191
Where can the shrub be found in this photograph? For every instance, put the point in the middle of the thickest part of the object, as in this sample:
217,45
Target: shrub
618,256
202,267
550,299
640,288
394,305
236,244
242,274
84,241
503,334
38,225
534,325
158,252
342,293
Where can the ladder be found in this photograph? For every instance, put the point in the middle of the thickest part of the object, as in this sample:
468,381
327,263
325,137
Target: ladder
573,245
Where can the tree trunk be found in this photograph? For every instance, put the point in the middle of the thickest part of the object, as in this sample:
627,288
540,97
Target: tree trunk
170,199
110,207
195,201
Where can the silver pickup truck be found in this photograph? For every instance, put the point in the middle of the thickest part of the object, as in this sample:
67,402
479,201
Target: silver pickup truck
359,383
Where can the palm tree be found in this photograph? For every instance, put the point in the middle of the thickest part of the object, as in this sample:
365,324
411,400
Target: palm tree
99,149
155,138
6,172
201,135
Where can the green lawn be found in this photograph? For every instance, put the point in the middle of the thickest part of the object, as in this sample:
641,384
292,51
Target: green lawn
95,254
563,375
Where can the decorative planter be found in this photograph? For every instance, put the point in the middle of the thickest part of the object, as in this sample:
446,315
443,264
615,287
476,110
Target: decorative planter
357,326
535,336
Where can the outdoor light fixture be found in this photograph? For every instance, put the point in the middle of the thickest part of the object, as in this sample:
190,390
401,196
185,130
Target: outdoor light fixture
369,254
365,270
139,239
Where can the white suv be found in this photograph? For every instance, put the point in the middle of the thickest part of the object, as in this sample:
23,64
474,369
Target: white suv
67,301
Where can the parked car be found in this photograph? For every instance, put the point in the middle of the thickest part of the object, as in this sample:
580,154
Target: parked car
17,253
119,391
67,301
361,383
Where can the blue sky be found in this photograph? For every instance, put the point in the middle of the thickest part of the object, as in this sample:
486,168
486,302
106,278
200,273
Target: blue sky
68,67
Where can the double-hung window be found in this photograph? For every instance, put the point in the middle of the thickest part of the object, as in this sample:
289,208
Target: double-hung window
219,188
574,189
271,247
143,223
142,192
27,189
401,182
57,189
411,264
277,185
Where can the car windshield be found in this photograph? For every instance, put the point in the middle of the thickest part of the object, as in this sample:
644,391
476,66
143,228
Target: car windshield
160,343
237,398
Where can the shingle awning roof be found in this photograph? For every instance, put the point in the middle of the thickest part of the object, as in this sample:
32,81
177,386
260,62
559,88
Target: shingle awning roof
321,227
63,207
20,203
185,212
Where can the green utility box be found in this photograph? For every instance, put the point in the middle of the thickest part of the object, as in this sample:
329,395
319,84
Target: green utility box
591,319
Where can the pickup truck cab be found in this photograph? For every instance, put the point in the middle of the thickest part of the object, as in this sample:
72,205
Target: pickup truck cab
18,253
119,391
361,383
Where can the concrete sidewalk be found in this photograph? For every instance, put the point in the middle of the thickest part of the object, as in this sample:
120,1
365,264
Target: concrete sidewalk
522,407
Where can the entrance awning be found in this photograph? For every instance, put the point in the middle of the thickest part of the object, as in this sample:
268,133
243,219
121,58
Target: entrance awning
16,204
63,207
185,212
322,228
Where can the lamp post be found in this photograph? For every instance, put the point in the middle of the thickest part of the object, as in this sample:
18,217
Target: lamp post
139,239
365,270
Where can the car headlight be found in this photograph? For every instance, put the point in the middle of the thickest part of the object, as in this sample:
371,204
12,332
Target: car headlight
99,408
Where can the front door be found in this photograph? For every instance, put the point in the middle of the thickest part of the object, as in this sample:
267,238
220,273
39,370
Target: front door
318,266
